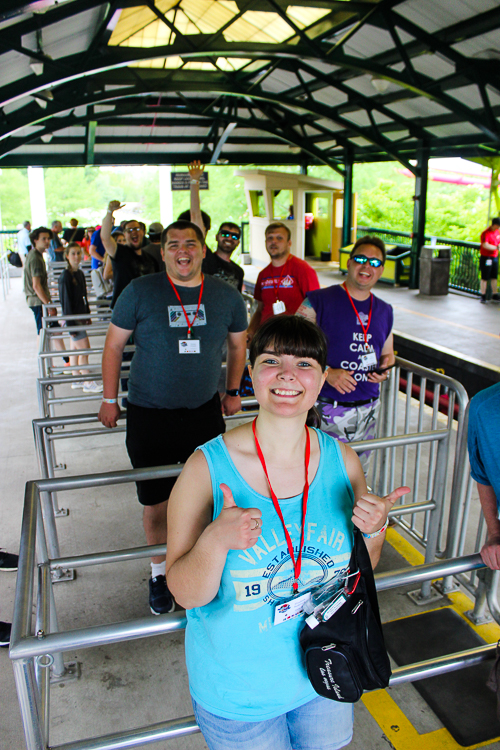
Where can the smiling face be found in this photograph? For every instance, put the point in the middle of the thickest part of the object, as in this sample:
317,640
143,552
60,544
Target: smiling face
228,239
183,255
278,245
74,257
285,384
360,277
134,234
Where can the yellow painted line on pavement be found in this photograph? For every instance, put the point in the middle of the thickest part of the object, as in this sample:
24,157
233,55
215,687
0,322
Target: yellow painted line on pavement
448,322
396,726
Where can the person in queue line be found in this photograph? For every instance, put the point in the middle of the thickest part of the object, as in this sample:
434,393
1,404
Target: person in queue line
96,249
488,260
242,508
73,299
179,320
73,233
358,327
23,241
36,288
55,249
228,237
128,260
153,247
8,564
482,442
282,285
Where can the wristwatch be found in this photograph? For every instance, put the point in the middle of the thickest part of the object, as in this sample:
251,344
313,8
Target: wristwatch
232,392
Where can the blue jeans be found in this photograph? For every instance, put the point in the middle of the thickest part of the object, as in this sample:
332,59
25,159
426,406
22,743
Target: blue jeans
320,724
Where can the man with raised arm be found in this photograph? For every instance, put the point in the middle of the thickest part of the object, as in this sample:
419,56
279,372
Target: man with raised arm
358,328
282,285
482,441
179,320
128,261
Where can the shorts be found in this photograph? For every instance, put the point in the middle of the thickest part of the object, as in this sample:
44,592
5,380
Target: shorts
159,437
351,424
488,270
78,335
320,724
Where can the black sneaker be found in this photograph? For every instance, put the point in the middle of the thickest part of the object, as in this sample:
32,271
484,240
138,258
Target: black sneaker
483,299
8,562
495,297
5,628
160,598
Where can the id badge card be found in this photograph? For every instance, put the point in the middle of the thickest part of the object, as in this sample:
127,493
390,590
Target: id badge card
290,609
279,307
369,360
489,262
189,346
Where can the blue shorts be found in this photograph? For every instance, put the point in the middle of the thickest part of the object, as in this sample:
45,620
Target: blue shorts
320,724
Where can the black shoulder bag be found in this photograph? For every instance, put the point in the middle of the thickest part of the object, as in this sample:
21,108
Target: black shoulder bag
346,654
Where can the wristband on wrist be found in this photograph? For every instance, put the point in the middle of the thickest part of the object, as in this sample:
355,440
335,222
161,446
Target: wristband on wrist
232,392
109,400
195,182
376,533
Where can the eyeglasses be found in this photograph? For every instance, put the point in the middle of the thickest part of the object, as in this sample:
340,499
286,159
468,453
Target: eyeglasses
230,234
362,260
132,229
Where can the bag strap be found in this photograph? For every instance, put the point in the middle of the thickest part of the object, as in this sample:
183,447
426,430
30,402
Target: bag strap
360,559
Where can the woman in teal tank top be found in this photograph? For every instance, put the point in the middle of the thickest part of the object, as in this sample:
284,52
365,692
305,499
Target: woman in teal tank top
259,517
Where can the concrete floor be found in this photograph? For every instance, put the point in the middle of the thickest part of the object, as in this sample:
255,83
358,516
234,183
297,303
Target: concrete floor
141,682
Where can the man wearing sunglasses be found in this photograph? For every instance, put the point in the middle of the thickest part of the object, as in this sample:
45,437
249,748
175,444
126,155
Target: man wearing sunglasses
219,264
358,328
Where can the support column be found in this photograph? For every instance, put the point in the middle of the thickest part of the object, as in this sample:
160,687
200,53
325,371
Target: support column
419,209
36,184
303,168
347,213
166,207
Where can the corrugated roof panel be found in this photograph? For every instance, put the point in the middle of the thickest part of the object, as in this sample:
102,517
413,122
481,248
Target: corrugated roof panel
434,66
325,145
141,148
133,21
359,117
67,37
158,131
303,17
396,135
267,148
17,104
363,85
453,128
380,118
325,67
49,149
494,95
209,16
480,45
431,15
329,125
359,141
368,41
330,96
13,66
468,96
30,130
76,131
418,107
280,81
258,26
249,133
232,63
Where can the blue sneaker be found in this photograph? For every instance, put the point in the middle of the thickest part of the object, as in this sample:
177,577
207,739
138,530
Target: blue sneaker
160,599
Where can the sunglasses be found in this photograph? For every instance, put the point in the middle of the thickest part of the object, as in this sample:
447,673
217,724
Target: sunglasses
230,234
362,260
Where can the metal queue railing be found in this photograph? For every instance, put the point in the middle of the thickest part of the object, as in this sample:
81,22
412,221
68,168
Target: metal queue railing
37,649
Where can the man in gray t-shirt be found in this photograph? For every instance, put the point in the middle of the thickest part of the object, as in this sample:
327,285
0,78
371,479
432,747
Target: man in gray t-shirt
179,320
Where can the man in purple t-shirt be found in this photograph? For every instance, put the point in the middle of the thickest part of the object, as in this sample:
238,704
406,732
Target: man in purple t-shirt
358,328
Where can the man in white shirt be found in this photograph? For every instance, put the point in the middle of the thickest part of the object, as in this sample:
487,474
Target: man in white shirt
23,240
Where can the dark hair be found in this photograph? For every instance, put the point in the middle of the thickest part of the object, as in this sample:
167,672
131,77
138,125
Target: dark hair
229,224
496,221
67,249
186,216
142,226
278,225
291,334
182,226
369,239
35,234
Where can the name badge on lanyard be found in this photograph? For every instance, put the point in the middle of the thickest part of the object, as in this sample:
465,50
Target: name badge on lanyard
189,346
368,360
279,307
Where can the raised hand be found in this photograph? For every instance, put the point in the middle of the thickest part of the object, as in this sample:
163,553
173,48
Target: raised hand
196,169
239,528
115,205
370,512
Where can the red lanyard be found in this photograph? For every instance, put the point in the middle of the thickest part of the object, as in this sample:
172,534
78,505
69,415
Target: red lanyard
365,330
297,563
277,288
189,325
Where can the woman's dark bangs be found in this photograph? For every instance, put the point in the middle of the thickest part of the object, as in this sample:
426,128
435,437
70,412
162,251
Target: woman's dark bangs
293,336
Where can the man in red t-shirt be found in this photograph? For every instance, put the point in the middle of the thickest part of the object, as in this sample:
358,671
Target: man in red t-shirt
488,262
282,285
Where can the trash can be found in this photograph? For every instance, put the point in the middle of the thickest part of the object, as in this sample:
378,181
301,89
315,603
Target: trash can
435,271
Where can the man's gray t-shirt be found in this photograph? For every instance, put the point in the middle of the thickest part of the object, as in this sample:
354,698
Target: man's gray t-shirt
161,377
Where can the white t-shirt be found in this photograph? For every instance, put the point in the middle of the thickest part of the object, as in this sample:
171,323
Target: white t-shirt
23,241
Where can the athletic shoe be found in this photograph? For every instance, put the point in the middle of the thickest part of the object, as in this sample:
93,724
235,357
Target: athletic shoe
8,562
160,598
495,297
77,385
5,628
483,299
90,386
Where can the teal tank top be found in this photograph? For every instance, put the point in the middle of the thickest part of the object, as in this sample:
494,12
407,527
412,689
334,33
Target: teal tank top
241,666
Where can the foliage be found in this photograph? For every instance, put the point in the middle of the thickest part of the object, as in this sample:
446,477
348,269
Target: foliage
384,197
